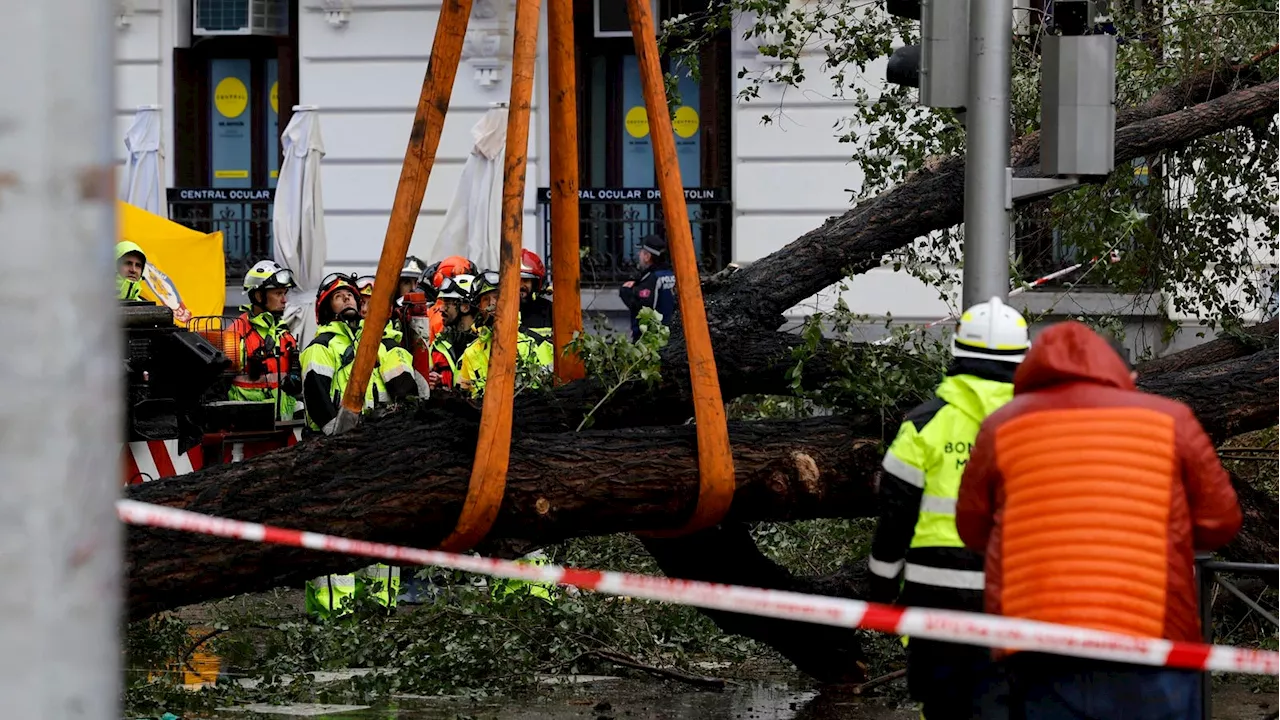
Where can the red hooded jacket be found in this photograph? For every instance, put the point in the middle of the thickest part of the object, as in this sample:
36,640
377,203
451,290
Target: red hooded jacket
1090,498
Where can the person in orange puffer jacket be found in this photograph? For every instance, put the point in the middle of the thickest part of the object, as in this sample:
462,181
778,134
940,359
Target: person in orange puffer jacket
1090,499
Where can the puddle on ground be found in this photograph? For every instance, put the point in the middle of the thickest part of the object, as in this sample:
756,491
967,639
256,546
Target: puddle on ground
595,698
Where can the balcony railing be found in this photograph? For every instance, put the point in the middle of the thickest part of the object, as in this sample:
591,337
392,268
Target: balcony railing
613,221
242,214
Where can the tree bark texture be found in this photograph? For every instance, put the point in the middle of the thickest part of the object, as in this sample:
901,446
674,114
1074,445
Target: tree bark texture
403,480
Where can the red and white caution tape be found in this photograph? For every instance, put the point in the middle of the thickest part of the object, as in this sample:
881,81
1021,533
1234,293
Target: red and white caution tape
946,625
1112,257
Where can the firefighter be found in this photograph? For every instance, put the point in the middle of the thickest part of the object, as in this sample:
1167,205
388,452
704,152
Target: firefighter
270,366
430,280
916,538
365,284
474,367
459,330
535,304
131,261
654,286
328,359
505,588
409,275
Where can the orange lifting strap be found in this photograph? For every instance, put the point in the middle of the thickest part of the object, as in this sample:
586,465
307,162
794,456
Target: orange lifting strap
715,458
424,140
566,311
493,446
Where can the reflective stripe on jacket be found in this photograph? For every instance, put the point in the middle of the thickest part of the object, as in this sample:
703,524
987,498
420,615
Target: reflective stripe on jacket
475,359
327,365
916,536
263,329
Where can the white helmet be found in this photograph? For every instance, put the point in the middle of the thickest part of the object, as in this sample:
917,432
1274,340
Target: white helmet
991,331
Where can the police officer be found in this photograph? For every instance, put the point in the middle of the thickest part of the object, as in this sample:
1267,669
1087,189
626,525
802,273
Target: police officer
654,287
916,537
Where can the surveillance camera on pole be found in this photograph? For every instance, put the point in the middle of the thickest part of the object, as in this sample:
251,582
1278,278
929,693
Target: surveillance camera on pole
1077,93
939,64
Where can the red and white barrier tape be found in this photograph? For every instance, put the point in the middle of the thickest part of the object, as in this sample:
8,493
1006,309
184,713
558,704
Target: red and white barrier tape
951,626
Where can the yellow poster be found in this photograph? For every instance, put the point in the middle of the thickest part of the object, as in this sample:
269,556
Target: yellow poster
185,268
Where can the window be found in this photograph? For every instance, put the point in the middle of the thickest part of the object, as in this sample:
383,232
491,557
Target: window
611,18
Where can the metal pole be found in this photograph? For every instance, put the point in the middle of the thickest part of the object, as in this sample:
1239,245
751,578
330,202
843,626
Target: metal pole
986,178
60,540
565,232
1204,581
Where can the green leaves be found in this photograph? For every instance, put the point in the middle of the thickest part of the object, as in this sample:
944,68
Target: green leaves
614,360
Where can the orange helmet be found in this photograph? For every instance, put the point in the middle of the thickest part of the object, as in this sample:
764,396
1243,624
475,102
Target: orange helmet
446,268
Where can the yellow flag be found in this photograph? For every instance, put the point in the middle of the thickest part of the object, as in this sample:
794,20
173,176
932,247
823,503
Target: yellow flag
185,268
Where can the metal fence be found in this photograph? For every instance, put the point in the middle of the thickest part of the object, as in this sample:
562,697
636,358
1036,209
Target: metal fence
242,215
1208,575
614,221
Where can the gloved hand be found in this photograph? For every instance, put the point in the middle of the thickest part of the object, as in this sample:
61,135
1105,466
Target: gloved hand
883,590
257,364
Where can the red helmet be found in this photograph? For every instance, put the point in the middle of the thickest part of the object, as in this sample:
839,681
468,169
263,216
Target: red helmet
531,268
332,283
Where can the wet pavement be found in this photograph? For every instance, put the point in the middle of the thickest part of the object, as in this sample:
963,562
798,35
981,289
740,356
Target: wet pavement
605,699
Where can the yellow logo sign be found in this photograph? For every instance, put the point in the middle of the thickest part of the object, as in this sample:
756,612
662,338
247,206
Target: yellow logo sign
685,122
231,97
637,122
275,97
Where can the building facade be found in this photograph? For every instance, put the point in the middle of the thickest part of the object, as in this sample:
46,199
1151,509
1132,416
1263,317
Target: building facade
225,94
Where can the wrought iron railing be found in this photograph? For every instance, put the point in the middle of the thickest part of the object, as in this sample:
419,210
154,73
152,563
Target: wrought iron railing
614,221
243,215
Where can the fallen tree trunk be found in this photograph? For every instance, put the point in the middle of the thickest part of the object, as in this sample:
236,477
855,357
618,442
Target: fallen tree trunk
403,480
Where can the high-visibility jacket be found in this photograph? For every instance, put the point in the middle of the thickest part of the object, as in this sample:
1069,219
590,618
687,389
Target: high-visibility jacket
331,596
446,355
503,588
916,536
264,331
326,368
127,289
475,359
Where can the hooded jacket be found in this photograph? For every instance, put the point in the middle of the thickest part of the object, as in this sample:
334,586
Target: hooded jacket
127,289
1090,497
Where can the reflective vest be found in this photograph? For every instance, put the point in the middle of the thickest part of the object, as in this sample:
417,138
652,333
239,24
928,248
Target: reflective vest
503,588
916,535
127,289
330,596
327,364
475,359
445,358
264,329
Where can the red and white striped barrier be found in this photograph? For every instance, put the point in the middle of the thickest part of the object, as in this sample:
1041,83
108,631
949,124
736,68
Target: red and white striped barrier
960,627
149,460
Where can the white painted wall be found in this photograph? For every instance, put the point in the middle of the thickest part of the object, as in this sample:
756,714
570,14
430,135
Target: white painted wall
792,173
144,73
366,77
